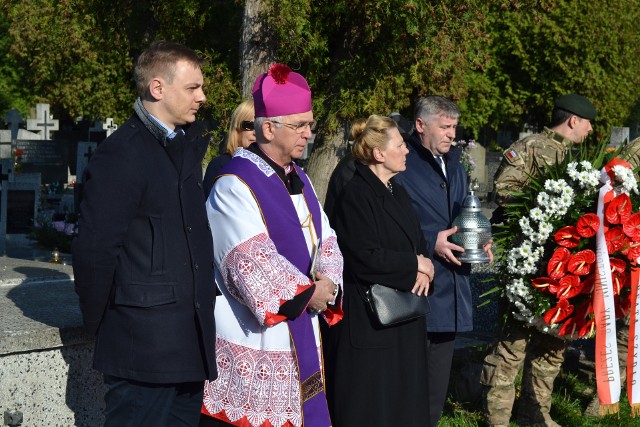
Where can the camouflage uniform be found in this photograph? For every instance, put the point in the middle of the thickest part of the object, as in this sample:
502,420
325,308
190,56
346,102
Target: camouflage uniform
517,344
631,153
519,160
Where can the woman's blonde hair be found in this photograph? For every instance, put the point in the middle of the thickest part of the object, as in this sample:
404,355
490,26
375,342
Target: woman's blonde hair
243,112
368,134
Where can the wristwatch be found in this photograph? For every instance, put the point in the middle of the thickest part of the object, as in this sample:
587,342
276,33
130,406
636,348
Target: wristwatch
335,294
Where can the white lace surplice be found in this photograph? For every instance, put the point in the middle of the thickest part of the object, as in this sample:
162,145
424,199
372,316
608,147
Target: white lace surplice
257,373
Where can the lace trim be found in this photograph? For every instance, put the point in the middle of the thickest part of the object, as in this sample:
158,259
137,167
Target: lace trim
330,262
257,160
261,385
259,277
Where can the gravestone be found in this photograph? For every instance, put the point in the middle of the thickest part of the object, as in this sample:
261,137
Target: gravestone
48,158
97,127
6,176
21,211
478,153
13,119
493,160
43,122
619,136
85,151
19,201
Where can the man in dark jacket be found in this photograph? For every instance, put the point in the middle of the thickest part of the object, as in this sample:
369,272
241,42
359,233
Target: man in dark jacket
143,260
437,185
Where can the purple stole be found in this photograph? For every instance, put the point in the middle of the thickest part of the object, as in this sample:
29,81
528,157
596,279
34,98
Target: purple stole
286,233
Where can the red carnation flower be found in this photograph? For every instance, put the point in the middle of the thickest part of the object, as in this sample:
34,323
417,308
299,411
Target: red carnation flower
569,287
557,265
558,313
616,240
280,73
587,226
567,236
618,210
545,284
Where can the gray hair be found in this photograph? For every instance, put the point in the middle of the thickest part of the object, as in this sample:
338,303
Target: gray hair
258,121
435,105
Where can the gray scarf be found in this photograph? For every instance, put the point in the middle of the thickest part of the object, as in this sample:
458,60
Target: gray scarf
159,132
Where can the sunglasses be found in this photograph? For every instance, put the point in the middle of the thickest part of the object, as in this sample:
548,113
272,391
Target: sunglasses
246,125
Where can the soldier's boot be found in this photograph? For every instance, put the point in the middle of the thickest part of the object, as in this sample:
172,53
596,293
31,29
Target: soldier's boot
537,388
593,409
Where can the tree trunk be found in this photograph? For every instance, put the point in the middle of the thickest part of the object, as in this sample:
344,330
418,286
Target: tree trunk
257,45
327,152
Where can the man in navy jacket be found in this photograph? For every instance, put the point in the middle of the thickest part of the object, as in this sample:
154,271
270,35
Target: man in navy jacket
143,261
437,185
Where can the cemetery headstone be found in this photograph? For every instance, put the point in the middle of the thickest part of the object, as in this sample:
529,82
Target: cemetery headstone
13,119
43,121
49,158
619,136
85,151
97,127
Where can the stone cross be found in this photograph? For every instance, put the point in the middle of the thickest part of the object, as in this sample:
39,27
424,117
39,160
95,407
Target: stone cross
109,126
43,121
85,151
13,118
97,127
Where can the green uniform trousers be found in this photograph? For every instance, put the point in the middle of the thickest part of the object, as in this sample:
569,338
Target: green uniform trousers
540,355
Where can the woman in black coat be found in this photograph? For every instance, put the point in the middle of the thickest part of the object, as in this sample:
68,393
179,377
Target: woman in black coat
377,376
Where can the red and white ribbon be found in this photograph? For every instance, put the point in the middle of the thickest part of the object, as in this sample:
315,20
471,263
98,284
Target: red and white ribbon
607,368
633,369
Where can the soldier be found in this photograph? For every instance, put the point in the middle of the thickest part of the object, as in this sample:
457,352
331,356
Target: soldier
517,344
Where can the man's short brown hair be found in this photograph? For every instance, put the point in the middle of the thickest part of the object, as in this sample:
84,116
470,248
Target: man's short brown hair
160,59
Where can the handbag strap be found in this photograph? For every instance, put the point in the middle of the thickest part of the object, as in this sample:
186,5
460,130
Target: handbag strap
364,292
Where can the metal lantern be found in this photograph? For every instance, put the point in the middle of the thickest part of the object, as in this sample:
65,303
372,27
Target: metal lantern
474,229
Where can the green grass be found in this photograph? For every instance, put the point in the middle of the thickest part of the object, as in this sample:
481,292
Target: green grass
573,391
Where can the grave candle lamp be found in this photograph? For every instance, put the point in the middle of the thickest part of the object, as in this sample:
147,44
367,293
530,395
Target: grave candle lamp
474,229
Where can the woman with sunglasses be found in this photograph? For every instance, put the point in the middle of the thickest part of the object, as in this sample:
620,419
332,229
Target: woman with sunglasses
241,134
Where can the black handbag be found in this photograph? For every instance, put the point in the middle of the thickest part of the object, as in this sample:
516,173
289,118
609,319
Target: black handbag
391,306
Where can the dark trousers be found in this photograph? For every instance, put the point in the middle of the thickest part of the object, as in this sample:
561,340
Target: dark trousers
440,347
138,404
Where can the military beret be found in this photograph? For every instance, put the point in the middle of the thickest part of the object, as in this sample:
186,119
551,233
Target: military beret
576,104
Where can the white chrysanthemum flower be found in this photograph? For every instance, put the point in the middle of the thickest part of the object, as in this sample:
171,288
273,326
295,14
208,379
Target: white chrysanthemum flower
567,191
536,214
525,226
626,177
542,199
